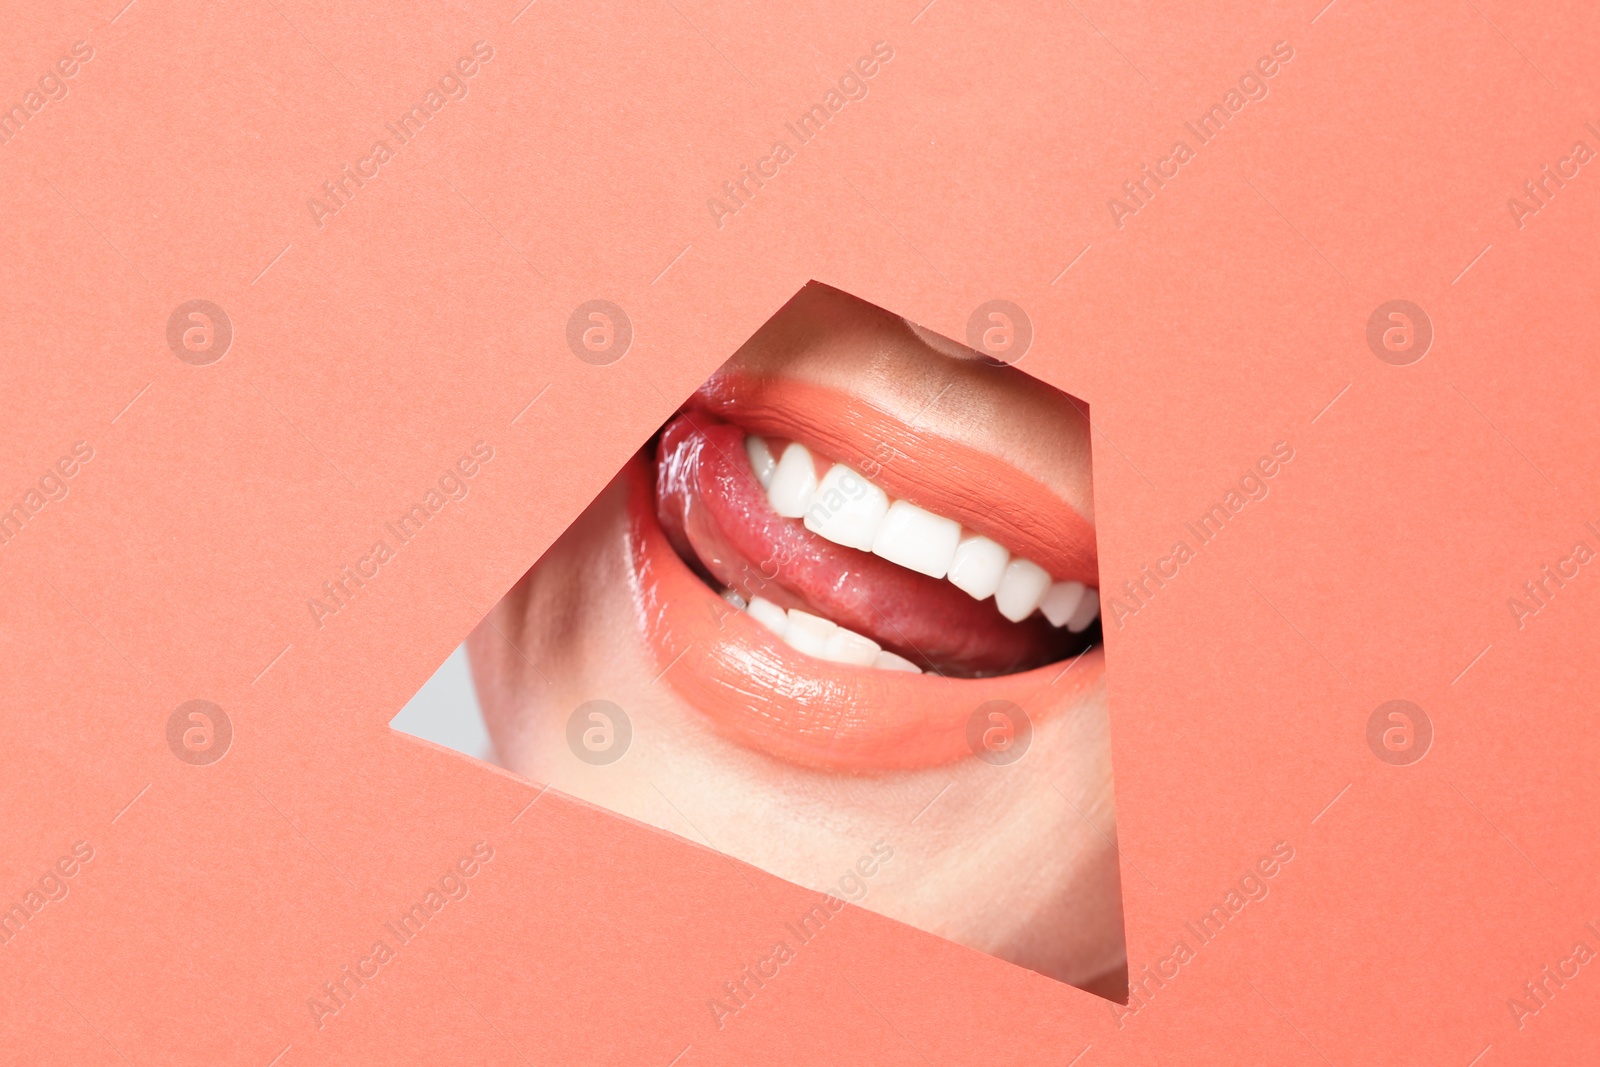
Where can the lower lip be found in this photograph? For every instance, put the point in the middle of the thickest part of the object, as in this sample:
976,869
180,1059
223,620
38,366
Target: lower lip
764,694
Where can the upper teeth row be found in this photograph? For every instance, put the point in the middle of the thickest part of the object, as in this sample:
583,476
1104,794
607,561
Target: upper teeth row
849,510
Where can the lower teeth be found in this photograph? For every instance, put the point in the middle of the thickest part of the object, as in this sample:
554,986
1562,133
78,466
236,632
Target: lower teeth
822,638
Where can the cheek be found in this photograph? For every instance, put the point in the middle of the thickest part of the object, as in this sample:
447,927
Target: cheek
567,633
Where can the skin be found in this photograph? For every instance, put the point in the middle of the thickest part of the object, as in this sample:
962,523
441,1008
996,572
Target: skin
1018,861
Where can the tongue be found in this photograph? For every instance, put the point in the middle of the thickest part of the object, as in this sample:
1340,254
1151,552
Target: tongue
717,517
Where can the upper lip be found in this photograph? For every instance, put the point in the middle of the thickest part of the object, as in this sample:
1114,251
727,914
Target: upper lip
810,711
945,476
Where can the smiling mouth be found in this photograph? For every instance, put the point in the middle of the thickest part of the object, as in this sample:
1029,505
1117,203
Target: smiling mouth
820,555
870,584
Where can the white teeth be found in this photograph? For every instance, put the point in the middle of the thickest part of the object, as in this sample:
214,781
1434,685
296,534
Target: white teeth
824,639
977,566
769,615
917,540
809,633
1061,601
816,636
888,661
761,461
849,510
793,482
846,508
734,598
1022,586
1088,609
847,646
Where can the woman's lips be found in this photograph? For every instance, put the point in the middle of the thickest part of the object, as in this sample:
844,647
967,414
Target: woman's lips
715,512
763,693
